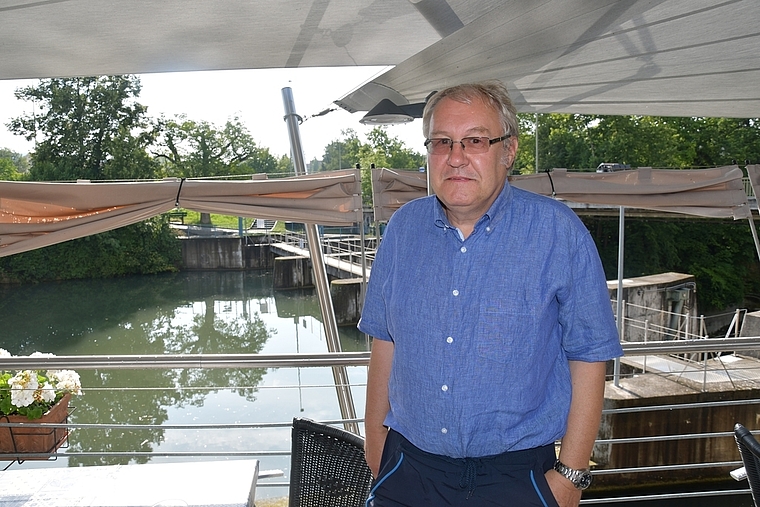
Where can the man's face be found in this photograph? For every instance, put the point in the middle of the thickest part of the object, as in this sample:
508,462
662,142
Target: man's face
467,184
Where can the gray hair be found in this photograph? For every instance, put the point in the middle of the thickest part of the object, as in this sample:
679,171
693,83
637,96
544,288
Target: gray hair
492,93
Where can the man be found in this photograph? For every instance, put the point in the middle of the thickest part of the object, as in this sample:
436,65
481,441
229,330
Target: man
491,323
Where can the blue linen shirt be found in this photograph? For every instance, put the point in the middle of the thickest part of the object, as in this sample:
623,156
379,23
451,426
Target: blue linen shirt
483,327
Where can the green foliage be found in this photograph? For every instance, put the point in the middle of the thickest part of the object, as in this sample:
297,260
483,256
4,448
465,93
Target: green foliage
199,149
92,128
582,142
86,128
144,248
343,154
13,165
720,254
261,161
8,171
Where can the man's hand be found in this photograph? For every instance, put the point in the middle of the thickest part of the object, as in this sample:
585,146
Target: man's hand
563,490
373,449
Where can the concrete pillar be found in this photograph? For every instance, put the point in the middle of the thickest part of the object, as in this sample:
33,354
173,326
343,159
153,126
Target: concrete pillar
346,296
293,272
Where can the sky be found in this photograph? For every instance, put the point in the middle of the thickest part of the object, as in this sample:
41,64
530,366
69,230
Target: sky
255,96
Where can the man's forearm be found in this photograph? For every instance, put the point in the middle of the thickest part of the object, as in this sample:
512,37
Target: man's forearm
582,427
585,413
377,404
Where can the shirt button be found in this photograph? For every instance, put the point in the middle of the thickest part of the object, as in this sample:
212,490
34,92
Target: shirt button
488,229
463,249
455,292
444,430
449,340
444,388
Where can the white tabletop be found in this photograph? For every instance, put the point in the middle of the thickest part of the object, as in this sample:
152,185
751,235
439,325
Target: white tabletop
195,484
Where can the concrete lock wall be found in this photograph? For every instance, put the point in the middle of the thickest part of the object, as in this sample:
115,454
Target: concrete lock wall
224,253
644,392
751,327
649,297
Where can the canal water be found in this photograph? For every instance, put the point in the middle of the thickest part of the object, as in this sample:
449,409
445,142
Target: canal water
207,312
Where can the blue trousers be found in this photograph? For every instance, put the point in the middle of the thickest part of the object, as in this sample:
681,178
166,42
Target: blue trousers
410,477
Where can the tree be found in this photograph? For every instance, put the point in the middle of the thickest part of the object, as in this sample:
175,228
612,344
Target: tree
199,149
20,162
575,141
87,128
8,171
342,154
261,161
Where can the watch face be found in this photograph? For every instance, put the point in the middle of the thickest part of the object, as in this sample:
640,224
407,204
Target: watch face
585,480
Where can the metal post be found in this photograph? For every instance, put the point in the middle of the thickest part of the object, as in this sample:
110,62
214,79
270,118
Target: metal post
754,233
340,374
621,247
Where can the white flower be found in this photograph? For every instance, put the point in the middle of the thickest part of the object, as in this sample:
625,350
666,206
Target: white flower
5,353
45,393
66,380
23,385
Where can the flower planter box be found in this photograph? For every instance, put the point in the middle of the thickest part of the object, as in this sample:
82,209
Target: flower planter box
35,440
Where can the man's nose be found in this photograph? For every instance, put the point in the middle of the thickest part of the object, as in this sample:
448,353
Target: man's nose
457,152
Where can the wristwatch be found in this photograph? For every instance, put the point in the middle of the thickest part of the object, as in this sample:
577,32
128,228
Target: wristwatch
581,479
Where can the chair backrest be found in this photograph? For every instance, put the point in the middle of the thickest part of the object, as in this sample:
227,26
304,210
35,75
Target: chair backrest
749,449
327,467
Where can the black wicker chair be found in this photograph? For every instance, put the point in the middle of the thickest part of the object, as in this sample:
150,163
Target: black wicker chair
327,467
749,449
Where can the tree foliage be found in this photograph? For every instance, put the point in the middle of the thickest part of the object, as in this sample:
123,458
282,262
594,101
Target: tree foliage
194,149
86,128
719,253
13,166
342,154
582,142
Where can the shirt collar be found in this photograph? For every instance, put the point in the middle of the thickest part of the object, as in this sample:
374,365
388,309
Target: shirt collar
495,213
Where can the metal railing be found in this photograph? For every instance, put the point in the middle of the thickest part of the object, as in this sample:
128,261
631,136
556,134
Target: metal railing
339,246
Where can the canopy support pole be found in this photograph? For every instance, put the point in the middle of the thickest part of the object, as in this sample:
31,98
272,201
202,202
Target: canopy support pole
621,245
754,234
340,373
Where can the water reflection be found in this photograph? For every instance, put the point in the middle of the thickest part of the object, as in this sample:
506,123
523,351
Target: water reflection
186,313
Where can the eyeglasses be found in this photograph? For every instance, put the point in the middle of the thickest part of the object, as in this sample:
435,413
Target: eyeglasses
444,145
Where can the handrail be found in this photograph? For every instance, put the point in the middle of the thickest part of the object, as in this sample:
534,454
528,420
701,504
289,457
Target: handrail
691,345
322,359
158,361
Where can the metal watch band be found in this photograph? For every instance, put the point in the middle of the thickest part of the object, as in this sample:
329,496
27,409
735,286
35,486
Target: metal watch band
581,479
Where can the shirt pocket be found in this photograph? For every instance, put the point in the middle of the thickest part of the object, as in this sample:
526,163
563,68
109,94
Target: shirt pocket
504,333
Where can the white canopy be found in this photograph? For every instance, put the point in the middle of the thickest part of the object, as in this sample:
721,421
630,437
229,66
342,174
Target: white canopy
660,57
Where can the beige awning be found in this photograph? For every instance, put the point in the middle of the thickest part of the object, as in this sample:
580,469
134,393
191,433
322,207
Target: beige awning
391,188
717,192
330,198
38,214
